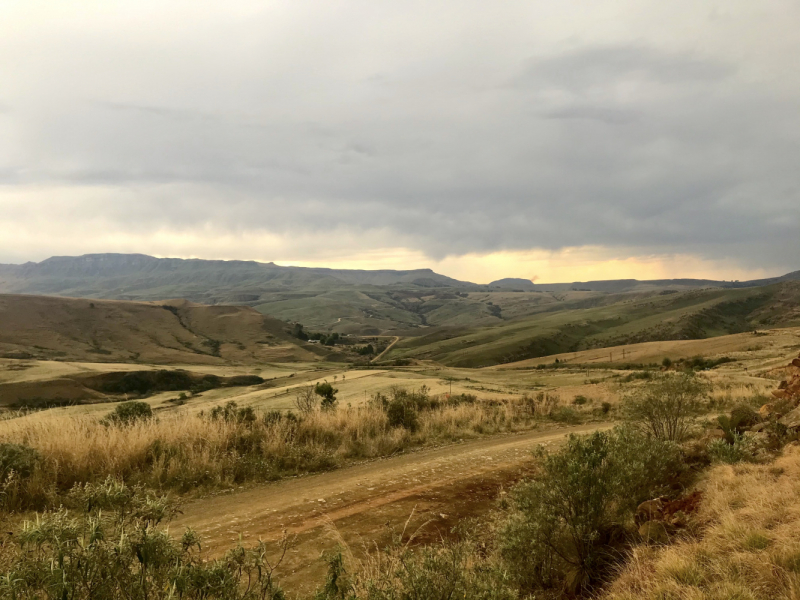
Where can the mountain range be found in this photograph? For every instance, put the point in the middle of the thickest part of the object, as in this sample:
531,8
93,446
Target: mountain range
398,302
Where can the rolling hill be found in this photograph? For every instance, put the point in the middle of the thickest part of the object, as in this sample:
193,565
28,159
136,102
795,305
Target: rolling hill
169,332
598,321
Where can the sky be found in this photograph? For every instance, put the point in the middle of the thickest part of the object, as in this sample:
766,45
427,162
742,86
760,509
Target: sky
555,140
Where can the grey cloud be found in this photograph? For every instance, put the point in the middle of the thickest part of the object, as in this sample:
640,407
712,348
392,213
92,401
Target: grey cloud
596,113
632,144
607,65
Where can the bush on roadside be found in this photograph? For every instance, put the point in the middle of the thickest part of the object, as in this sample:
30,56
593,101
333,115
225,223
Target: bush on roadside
111,547
567,520
566,414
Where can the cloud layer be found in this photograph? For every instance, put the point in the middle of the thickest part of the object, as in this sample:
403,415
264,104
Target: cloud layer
330,129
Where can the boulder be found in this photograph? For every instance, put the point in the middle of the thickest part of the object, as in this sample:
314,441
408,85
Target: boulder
650,510
654,532
679,519
791,420
767,411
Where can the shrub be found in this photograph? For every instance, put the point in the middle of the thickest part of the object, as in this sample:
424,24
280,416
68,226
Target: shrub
565,414
665,407
328,394
580,400
18,458
568,515
667,362
111,548
306,400
744,416
129,413
402,407
402,414
231,413
699,363
605,407
740,449
145,382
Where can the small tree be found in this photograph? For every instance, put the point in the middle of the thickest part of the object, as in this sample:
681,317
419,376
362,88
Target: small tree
306,400
665,407
328,394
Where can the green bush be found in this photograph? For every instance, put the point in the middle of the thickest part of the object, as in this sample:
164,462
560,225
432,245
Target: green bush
20,459
129,413
664,408
402,406
743,416
566,520
580,400
327,393
231,413
566,414
111,547
402,414
740,449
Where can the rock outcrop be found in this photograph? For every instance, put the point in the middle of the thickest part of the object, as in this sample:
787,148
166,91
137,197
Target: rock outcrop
786,406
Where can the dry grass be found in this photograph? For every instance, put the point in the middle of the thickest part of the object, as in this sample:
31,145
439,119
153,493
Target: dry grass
184,452
747,546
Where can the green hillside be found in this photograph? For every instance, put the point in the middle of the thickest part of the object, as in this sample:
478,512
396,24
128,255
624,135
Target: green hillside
609,320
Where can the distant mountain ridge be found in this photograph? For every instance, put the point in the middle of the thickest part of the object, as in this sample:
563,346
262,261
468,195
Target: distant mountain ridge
379,302
143,277
628,285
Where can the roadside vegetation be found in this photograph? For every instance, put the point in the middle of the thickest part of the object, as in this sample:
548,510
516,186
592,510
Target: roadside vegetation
677,501
231,445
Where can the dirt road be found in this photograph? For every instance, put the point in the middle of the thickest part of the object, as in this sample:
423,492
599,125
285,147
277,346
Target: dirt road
385,350
362,504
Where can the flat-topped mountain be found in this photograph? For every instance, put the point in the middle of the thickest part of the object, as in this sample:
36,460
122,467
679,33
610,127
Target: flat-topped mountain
142,277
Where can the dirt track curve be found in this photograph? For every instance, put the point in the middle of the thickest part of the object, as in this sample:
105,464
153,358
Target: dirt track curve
362,504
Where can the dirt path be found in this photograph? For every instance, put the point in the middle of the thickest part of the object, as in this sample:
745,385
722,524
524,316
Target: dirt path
385,350
362,504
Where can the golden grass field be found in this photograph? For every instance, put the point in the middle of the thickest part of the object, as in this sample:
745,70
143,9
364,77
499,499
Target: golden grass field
745,545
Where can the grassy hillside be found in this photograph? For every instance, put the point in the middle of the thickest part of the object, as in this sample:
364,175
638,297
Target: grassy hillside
169,332
610,320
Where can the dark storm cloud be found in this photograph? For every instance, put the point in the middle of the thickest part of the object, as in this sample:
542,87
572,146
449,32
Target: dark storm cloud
456,132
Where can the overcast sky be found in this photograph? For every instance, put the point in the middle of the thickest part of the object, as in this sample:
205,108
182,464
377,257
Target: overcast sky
549,139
